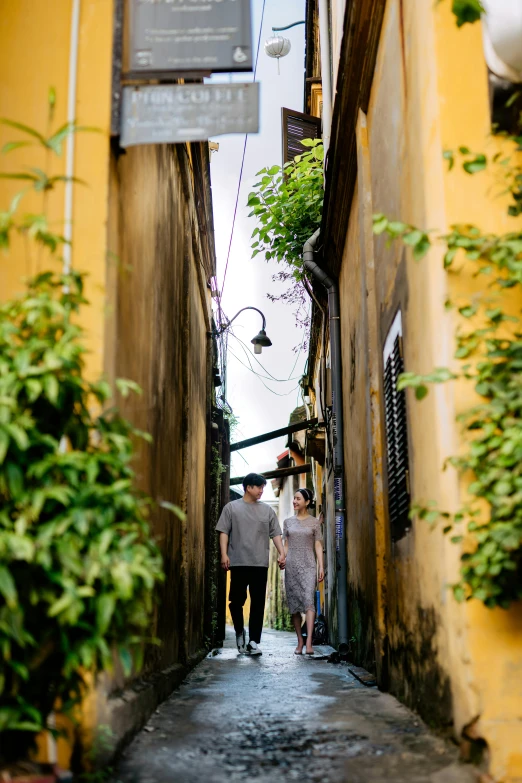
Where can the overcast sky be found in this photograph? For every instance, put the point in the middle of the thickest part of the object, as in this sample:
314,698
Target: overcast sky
248,280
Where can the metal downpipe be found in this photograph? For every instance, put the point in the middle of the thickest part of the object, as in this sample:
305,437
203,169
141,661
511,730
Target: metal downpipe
331,286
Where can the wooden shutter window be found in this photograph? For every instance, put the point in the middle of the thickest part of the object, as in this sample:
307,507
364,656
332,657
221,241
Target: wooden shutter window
397,443
296,127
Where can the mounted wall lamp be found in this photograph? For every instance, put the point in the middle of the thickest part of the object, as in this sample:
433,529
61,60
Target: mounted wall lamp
278,46
261,340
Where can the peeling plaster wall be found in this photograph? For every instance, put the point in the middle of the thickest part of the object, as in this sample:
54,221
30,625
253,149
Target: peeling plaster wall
360,524
162,344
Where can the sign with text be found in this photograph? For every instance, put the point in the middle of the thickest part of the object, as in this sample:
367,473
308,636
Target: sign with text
177,113
189,36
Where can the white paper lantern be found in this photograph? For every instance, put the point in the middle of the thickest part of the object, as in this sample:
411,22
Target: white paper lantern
277,47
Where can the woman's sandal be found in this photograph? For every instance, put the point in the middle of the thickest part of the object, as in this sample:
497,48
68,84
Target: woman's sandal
298,653
310,653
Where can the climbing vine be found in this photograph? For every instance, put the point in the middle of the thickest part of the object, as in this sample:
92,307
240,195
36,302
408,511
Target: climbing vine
489,350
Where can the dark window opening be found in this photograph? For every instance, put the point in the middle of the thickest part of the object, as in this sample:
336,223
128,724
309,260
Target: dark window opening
506,105
397,443
296,127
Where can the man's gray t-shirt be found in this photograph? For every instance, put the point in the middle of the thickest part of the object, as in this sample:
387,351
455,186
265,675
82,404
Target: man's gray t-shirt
249,527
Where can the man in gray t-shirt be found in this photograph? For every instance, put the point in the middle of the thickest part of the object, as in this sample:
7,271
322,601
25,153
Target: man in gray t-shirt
245,529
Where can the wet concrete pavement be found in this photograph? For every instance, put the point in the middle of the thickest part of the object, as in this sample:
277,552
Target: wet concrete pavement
280,717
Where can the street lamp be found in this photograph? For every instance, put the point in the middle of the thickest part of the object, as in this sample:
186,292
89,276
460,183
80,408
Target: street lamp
278,46
261,340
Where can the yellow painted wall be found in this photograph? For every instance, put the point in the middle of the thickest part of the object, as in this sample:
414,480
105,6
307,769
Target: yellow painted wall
34,56
34,52
492,634
449,661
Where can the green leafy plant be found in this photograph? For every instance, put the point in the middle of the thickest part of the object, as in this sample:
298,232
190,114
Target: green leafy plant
35,226
287,203
101,749
467,11
489,349
232,419
217,469
78,566
507,169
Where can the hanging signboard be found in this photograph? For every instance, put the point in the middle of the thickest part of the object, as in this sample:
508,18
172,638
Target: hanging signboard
189,36
177,113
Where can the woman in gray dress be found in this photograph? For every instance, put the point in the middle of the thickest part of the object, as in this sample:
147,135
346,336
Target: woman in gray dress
304,555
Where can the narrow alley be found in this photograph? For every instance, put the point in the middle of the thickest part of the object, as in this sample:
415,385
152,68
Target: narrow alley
261,386
283,717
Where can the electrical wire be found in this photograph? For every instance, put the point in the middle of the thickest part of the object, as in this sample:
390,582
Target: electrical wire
300,349
278,394
249,368
269,376
242,160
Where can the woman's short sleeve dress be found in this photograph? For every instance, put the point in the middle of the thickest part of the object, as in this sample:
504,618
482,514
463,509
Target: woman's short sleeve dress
300,570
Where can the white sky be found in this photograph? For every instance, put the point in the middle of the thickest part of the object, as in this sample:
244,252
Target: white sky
249,280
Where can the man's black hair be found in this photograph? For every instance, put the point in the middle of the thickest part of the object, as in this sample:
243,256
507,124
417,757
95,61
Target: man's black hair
253,480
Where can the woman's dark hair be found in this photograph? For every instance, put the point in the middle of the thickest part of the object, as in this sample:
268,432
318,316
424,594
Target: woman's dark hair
307,494
253,480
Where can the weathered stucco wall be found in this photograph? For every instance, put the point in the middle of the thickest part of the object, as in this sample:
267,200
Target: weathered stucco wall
451,662
157,333
360,524
417,651
162,344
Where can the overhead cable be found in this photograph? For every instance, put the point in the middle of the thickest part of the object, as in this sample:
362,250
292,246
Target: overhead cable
242,160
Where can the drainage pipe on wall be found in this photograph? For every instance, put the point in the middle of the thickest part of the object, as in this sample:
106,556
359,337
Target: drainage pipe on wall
326,79
332,288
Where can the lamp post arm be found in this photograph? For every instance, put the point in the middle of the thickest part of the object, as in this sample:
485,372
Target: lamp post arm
239,313
288,26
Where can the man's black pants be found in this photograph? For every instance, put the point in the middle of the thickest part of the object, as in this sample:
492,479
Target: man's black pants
255,578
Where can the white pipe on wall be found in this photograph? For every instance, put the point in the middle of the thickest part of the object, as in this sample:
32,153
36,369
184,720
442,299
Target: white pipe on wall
324,42
70,143
52,751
